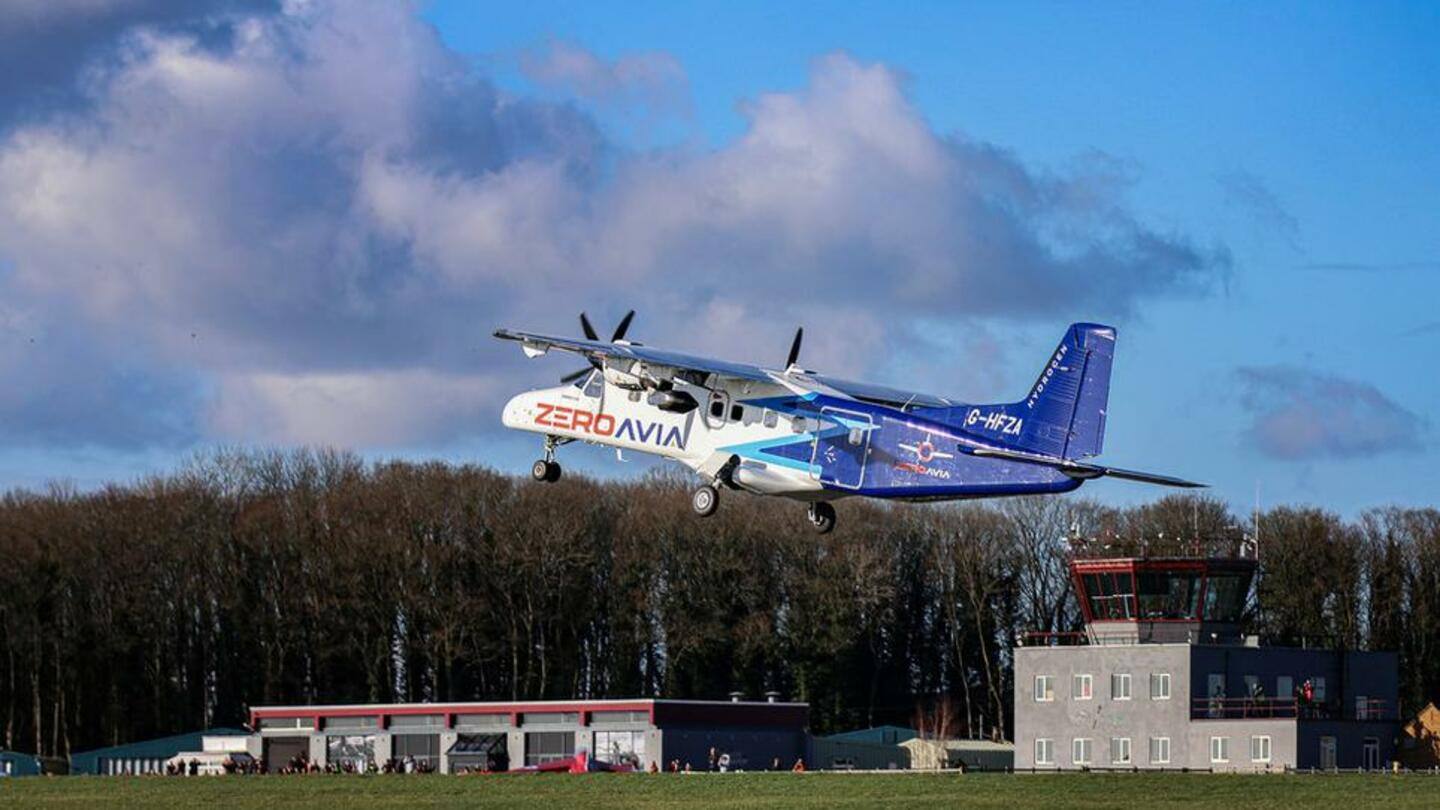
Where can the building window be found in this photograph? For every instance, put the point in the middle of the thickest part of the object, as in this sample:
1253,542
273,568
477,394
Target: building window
1044,688
1083,687
417,721
550,718
1080,751
1219,749
1159,686
620,747
1120,686
493,720
1119,750
610,716
1044,752
548,746
1159,750
1260,748
267,723
351,723
353,753
416,753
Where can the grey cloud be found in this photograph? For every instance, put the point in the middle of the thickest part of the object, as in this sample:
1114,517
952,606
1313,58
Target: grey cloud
46,45
652,79
339,209
1249,193
1302,414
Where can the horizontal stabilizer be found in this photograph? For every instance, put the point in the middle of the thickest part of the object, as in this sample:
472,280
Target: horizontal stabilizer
1078,469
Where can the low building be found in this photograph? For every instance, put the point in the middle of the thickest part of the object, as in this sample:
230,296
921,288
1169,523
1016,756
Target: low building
456,737
146,756
970,755
14,763
1163,679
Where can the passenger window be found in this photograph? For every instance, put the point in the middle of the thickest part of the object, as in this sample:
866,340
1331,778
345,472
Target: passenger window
856,436
737,412
771,420
717,408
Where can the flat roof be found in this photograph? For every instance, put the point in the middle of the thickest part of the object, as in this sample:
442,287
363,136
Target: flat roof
507,705
659,711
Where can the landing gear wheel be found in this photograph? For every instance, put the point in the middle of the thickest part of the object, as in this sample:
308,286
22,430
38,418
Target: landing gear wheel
547,472
705,500
822,517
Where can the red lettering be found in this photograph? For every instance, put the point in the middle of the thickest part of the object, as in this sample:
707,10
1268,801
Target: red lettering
544,416
562,417
604,424
582,421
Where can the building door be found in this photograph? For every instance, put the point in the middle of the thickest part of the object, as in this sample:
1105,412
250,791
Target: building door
1327,753
842,443
280,750
1371,760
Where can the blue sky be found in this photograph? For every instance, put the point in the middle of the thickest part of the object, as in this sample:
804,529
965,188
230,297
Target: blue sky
1250,192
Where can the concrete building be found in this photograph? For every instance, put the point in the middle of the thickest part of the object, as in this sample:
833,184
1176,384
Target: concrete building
1162,678
455,737
145,756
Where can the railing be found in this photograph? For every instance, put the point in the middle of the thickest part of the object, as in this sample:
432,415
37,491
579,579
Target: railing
1040,638
1261,708
1219,708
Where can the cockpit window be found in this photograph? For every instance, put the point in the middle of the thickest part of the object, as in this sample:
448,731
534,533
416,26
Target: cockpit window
595,386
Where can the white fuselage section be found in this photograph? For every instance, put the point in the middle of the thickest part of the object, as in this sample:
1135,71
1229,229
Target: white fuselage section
724,423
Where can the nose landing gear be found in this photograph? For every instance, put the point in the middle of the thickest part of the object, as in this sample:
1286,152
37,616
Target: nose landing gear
547,470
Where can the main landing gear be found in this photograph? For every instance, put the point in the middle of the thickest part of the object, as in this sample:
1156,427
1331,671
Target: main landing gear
705,500
547,470
822,517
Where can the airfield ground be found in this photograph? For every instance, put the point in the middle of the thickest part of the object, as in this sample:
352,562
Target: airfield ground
553,792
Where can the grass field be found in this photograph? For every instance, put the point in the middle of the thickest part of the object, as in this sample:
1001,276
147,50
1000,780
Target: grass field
561,791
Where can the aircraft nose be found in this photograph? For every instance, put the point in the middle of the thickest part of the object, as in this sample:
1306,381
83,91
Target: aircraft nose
514,412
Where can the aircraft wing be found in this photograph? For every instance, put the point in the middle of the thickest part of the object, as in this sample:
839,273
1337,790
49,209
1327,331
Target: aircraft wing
535,344
1079,469
881,394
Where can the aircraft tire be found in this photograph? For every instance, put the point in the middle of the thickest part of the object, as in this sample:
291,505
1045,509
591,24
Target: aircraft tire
705,500
822,517
546,472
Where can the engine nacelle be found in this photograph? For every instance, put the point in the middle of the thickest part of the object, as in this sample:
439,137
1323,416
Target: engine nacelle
765,480
673,401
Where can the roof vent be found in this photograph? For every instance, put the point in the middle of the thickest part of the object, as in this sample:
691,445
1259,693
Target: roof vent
772,696
735,696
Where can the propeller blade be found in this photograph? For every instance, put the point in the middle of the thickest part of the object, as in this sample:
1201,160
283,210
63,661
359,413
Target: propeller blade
623,327
575,375
795,347
587,328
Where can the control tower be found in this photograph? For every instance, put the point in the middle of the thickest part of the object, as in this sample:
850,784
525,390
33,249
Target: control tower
1163,677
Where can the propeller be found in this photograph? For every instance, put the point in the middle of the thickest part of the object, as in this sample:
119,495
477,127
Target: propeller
590,334
795,348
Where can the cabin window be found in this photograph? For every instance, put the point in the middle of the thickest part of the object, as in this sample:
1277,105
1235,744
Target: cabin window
771,420
737,412
717,408
856,436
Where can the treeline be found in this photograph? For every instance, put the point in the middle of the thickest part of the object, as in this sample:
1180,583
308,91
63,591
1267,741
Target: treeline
280,578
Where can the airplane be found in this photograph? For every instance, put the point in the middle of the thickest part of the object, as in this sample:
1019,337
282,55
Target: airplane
796,433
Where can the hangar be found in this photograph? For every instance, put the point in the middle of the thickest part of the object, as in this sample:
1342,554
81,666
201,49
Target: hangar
146,756
461,737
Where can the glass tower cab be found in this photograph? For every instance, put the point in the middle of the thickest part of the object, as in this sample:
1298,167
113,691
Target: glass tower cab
1162,600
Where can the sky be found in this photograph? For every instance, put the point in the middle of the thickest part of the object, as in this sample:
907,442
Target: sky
275,223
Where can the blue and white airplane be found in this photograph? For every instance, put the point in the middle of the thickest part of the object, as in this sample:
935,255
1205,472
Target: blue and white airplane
816,438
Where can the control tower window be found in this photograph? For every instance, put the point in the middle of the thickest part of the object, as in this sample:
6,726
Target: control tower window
1111,595
1225,597
1170,595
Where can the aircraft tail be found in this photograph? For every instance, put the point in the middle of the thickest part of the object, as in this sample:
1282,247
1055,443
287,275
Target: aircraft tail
1064,414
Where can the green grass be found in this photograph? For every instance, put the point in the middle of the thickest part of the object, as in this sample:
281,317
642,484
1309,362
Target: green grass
562,791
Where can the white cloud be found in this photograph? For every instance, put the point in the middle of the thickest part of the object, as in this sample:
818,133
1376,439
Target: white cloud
331,206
